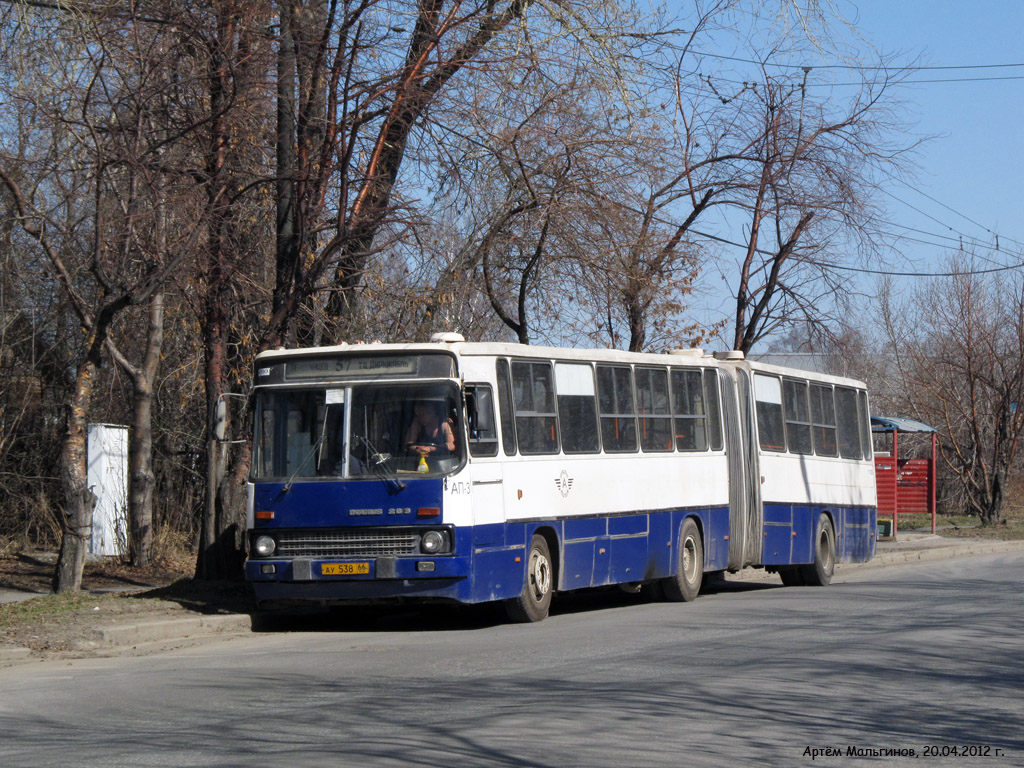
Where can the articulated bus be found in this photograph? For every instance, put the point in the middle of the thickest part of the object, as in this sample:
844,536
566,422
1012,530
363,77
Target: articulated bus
473,472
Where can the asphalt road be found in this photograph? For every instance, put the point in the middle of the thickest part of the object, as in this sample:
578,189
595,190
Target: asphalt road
902,658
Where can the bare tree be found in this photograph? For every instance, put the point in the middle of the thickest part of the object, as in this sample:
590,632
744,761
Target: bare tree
959,350
549,167
810,198
83,193
796,166
96,321
365,76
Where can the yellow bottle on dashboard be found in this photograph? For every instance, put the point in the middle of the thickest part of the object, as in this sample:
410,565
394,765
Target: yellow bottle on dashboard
422,466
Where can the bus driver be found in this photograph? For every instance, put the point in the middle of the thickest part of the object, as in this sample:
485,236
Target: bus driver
429,430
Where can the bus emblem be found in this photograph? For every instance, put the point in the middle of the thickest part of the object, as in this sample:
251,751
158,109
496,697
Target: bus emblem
564,483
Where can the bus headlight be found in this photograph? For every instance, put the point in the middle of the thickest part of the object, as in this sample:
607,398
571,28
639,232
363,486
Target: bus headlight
265,546
432,542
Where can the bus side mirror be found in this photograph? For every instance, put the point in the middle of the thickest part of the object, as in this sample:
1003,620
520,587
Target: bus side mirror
479,411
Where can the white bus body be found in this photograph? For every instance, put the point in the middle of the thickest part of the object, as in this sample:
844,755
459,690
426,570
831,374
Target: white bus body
571,469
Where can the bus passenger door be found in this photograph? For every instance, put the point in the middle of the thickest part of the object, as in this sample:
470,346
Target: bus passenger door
487,504
745,512
485,468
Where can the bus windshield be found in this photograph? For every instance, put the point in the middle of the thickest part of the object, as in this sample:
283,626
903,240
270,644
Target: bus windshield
360,431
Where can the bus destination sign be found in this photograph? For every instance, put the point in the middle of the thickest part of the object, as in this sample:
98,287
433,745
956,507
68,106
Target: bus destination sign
349,367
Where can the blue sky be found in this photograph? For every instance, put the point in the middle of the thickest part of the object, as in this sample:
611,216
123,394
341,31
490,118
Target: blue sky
967,174
975,163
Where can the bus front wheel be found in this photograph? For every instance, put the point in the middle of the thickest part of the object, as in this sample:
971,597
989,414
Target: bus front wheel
684,584
819,573
538,586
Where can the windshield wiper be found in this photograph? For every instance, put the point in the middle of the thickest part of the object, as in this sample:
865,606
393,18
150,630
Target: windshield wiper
380,467
316,447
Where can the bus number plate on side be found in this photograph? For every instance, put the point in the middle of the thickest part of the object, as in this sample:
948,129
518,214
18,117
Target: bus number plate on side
344,569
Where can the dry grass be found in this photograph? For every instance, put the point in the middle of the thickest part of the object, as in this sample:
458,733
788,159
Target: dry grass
67,623
1011,527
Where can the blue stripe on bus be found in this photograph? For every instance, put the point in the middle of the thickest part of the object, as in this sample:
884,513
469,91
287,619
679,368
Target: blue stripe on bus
490,560
591,551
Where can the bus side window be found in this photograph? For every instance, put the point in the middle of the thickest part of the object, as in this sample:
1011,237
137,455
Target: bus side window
618,414
483,435
714,409
508,424
654,410
577,407
848,423
864,419
533,395
690,410
771,434
823,416
798,416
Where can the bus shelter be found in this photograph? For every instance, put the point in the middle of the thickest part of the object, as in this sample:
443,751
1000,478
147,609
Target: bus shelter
905,483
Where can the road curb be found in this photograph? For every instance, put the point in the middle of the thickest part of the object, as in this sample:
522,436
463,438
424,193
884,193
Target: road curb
928,550
943,551
170,630
10,654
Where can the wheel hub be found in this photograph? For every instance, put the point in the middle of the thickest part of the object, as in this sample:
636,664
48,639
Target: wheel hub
540,575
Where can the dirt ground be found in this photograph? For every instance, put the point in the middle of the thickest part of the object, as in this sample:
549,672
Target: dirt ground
113,593
33,572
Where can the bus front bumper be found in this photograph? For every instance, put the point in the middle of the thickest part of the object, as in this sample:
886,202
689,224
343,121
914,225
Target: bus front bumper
331,580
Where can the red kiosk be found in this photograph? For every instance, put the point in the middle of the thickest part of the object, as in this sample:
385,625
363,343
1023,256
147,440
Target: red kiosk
905,485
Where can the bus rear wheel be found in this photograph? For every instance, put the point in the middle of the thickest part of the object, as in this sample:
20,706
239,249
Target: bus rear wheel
819,573
538,586
684,584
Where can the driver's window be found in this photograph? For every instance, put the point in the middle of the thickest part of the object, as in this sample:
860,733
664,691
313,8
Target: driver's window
404,428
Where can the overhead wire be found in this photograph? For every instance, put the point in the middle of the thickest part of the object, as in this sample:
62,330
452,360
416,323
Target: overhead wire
894,69
922,82
901,82
961,239
971,241
961,236
868,271
952,242
857,67
952,210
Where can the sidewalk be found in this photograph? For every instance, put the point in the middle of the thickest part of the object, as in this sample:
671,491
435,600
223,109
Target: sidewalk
908,548
17,595
914,547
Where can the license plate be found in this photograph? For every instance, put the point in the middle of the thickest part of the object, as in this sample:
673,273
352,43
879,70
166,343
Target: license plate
345,569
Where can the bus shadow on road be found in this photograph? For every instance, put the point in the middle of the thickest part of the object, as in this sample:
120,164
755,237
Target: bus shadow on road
460,618
382,618
628,596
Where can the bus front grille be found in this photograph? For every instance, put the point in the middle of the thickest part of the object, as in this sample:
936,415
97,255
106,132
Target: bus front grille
348,543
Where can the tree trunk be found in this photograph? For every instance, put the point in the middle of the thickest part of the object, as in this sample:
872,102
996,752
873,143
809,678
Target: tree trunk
636,312
216,553
143,479
288,251
415,91
79,499
212,562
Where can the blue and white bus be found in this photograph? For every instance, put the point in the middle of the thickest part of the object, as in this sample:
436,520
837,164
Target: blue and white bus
473,472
